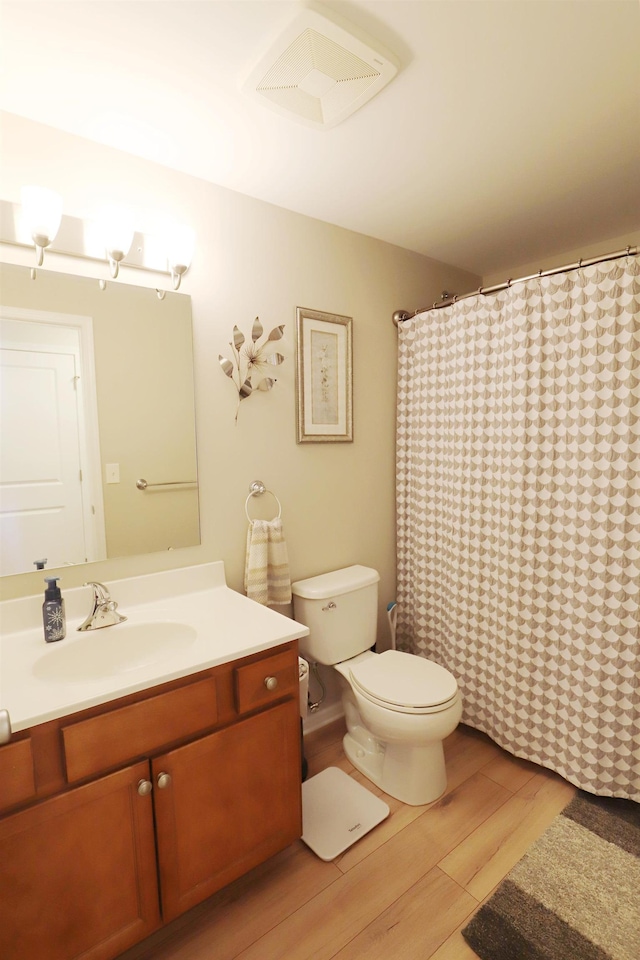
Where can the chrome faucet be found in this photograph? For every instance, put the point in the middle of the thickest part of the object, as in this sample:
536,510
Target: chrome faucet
104,612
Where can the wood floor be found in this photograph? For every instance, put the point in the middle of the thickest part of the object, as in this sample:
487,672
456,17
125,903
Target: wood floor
403,892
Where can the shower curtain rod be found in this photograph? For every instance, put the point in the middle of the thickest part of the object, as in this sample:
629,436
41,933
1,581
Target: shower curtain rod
448,298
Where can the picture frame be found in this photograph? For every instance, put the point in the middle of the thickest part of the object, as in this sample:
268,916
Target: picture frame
324,377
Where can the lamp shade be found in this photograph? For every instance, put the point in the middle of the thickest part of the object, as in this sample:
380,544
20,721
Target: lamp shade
115,224
42,212
181,242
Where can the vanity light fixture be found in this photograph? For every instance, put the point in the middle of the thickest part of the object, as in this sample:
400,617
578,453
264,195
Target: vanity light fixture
42,212
115,224
38,220
181,241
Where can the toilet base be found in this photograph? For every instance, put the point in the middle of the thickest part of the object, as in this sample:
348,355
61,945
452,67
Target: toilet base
413,774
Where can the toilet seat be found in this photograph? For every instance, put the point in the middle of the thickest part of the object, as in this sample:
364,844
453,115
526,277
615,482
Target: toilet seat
404,683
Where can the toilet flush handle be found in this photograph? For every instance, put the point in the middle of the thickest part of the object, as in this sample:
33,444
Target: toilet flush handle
330,606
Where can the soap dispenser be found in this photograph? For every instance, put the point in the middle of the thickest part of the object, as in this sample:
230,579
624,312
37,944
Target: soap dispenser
55,625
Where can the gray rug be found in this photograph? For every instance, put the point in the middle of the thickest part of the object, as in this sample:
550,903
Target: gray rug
575,895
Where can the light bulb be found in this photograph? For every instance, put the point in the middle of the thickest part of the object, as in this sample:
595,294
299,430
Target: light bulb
181,241
42,211
115,224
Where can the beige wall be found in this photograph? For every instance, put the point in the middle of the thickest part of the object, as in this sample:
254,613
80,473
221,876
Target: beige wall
255,259
603,247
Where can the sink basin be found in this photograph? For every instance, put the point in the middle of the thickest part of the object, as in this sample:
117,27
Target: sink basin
113,651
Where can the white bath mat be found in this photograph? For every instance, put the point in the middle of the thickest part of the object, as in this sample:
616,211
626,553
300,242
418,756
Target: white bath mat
337,811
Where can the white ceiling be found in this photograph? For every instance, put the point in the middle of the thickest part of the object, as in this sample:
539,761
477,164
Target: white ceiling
511,132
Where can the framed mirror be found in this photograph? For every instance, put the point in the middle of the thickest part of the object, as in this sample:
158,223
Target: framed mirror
97,395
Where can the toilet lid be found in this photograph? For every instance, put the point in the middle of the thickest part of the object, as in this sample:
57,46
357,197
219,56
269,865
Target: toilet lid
403,679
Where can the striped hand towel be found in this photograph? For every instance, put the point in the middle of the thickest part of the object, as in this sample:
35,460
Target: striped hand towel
266,571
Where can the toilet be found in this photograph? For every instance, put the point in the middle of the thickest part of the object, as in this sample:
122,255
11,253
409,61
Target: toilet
398,707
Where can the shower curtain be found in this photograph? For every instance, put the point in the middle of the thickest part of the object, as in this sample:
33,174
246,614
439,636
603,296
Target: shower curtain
518,510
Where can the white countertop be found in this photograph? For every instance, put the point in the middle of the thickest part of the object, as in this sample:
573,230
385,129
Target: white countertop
222,625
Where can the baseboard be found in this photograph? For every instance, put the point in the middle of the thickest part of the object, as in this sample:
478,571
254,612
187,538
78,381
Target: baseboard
314,721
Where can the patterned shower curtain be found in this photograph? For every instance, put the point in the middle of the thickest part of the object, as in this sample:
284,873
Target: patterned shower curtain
518,507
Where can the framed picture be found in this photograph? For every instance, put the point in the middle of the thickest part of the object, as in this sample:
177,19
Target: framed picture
324,388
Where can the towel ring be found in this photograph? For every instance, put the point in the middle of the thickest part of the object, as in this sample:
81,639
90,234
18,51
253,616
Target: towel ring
256,489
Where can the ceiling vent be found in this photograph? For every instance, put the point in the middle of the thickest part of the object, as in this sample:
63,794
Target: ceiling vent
319,72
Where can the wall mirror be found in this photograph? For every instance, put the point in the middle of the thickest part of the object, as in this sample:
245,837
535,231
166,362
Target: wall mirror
97,394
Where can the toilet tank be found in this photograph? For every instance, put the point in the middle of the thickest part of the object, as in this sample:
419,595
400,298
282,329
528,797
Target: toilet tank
341,610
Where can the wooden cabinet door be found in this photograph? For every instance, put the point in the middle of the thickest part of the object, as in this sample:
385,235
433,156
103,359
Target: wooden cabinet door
78,874
225,803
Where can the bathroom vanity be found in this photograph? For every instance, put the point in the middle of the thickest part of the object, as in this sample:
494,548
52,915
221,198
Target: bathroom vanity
152,788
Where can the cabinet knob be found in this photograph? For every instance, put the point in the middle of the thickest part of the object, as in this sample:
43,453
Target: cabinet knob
163,781
271,683
5,726
144,787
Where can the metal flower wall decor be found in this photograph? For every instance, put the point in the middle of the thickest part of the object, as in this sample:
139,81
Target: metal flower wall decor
251,360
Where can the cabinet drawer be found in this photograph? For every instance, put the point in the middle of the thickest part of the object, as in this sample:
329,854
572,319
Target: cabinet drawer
108,740
17,783
265,681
